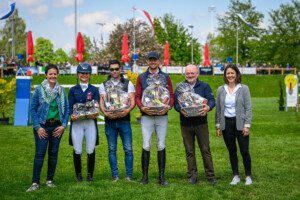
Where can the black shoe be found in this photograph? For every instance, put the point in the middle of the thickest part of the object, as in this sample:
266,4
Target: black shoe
89,178
77,166
212,181
193,180
79,177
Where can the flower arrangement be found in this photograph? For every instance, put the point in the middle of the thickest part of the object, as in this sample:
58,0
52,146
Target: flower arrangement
7,95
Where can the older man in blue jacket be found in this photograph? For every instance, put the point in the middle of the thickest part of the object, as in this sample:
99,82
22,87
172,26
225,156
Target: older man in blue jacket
192,127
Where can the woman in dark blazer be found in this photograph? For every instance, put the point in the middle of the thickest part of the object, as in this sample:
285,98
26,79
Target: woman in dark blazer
233,120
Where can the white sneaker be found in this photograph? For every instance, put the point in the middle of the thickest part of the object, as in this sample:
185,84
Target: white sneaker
235,180
50,184
33,187
248,181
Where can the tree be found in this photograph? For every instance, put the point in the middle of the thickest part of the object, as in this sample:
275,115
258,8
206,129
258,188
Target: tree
144,41
172,30
60,57
228,24
285,26
19,36
44,51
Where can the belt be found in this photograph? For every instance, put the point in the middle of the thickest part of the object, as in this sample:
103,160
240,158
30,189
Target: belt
52,122
230,118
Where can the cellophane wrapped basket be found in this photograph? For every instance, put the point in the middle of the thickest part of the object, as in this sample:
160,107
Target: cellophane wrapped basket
189,101
156,95
115,99
89,109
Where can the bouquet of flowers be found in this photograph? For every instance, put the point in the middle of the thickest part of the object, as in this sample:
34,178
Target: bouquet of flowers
156,96
115,99
87,110
189,101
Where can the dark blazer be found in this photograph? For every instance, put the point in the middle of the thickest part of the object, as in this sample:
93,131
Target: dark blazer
204,90
76,95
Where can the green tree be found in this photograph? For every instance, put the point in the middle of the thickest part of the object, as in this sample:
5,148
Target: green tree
44,51
19,36
169,29
285,26
60,57
227,27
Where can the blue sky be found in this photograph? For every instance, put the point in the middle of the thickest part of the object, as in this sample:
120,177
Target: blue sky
54,19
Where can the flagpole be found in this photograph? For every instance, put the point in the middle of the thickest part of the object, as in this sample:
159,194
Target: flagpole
237,43
134,60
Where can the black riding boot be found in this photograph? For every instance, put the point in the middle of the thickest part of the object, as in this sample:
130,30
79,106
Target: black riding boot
77,165
90,166
145,166
161,159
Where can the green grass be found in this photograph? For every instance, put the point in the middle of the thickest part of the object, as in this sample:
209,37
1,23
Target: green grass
274,147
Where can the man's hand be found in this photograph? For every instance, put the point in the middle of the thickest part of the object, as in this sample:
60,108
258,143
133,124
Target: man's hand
184,113
164,110
204,110
110,114
148,111
123,113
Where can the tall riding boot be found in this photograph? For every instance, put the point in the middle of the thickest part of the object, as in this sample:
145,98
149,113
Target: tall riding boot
90,166
161,159
145,166
77,166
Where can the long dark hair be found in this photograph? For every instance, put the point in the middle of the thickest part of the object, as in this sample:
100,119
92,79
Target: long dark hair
238,78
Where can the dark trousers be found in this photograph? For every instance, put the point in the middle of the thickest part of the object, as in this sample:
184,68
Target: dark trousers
230,134
40,151
202,135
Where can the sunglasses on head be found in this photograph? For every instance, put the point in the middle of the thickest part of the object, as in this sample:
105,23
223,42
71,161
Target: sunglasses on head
114,69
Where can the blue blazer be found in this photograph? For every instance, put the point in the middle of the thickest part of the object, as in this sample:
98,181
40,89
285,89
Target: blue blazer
76,95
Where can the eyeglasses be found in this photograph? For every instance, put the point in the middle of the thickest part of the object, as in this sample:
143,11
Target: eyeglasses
114,69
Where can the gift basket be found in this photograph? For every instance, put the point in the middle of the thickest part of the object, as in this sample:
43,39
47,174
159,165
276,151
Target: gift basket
88,110
91,109
156,95
115,99
189,101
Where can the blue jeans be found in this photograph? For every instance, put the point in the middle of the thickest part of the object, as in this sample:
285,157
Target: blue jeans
123,128
40,151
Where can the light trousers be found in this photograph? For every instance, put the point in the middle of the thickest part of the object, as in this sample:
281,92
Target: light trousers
84,129
159,124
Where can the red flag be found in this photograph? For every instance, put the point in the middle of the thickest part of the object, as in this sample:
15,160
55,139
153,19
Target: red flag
207,62
167,54
125,51
79,47
145,13
30,48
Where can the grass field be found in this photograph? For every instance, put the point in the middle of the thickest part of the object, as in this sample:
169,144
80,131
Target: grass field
274,148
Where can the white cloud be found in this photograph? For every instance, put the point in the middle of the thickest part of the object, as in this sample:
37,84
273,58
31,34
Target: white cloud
39,12
65,3
89,20
28,2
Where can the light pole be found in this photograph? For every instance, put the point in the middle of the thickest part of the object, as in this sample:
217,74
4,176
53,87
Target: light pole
192,45
102,43
211,10
75,20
